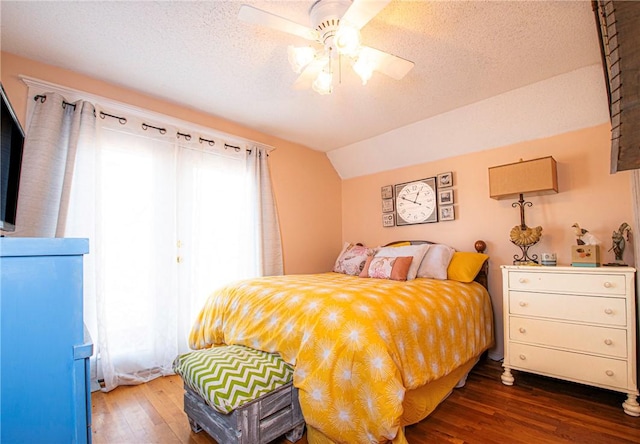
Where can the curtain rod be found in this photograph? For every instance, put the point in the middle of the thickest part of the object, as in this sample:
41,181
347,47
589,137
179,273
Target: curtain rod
42,86
123,120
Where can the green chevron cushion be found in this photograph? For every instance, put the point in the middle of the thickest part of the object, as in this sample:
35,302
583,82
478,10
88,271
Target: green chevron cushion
230,376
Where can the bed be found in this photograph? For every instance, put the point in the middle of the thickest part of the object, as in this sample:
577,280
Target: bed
372,353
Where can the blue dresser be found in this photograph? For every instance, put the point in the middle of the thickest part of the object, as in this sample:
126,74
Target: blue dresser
45,349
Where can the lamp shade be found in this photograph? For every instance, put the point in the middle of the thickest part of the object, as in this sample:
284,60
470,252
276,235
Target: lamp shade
531,177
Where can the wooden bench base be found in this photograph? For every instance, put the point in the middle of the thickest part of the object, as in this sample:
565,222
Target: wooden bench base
257,422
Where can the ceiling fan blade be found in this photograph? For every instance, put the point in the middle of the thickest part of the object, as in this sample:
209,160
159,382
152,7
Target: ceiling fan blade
362,11
389,64
309,74
257,16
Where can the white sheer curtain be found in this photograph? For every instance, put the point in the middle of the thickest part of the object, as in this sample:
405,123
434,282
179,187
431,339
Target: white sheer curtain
129,197
169,220
56,129
214,224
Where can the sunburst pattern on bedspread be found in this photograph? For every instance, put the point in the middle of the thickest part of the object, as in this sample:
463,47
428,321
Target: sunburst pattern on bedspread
357,344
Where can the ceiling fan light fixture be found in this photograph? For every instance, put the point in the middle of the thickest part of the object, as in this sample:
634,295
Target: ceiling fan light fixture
299,57
347,40
335,27
323,84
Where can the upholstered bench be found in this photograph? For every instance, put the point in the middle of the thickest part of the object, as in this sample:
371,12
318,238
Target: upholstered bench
239,395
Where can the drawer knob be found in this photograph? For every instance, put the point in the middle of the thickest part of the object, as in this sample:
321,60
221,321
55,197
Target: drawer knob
608,285
523,304
609,372
523,357
522,330
608,341
522,280
608,311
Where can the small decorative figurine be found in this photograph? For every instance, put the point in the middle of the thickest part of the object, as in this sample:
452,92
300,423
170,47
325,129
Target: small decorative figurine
618,239
525,237
583,237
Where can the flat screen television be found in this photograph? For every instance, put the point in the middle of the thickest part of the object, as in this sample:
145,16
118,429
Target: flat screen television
12,141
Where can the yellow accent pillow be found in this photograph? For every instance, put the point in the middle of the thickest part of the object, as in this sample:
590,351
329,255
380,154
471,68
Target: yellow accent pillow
400,244
464,266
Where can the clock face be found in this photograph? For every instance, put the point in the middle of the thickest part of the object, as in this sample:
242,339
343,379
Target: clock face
416,202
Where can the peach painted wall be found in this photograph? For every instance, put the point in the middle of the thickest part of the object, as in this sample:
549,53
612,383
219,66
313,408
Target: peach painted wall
318,211
306,186
588,194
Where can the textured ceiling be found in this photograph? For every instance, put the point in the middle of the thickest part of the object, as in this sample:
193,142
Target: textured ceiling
198,54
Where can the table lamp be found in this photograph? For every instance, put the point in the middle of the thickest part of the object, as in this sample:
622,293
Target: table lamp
531,177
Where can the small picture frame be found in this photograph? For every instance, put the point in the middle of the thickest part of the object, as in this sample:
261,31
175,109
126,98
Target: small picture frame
447,212
387,205
445,197
388,220
387,192
445,180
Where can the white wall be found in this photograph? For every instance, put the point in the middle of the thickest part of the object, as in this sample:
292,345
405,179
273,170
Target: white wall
568,102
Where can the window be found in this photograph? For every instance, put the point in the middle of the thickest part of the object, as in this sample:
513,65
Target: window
169,221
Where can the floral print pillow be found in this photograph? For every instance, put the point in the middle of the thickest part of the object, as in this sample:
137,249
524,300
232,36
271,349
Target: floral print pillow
380,267
352,258
384,267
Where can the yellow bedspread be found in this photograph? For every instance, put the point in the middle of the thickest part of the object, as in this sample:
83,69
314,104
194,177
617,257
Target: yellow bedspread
357,344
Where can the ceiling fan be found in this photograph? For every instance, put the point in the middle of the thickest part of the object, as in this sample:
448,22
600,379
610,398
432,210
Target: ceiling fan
335,26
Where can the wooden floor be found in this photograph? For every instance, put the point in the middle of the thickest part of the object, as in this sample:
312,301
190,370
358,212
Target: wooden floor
535,410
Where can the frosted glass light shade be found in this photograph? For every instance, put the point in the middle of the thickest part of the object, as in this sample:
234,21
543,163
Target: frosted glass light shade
347,40
323,83
531,177
299,57
364,67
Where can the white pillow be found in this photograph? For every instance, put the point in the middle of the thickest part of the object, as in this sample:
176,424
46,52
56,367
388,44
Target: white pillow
436,261
417,251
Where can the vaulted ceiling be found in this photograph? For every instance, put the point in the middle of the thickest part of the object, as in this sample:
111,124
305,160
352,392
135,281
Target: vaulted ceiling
199,54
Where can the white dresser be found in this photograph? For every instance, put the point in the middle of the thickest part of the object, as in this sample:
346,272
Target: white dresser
572,323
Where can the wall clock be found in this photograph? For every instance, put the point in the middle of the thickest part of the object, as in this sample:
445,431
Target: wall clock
416,202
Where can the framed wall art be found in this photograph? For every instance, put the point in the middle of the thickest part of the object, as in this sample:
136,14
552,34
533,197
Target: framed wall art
388,220
416,202
445,197
387,192
445,180
387,205
447,213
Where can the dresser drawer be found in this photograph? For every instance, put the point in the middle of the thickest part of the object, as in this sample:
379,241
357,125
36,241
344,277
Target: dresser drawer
567,365
583,283
592,309
582,338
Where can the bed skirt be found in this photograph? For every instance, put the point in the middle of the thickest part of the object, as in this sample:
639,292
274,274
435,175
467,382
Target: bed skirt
418,403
